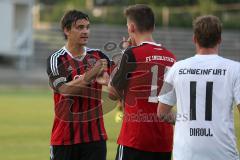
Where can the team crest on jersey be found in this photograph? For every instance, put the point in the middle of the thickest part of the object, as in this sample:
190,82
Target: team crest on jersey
70,68
91,62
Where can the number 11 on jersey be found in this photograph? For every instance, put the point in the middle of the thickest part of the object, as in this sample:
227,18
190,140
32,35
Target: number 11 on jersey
208,101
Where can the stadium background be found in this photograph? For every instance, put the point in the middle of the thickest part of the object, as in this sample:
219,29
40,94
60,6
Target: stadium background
26,105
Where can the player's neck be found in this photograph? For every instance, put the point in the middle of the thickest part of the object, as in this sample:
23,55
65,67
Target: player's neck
207,51
75,50
140,38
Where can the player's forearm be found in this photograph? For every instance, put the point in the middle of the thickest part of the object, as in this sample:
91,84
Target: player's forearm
165,114
170,117
91,74
113,95
74,88
77,86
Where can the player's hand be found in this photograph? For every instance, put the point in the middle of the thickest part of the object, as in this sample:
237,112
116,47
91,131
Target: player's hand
103,76
128,42
101,65
97,70
103,79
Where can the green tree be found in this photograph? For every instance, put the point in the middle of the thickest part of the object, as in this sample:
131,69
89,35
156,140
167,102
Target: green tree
207,6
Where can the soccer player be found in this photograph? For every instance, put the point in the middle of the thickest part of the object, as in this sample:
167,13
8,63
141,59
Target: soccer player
78,131
204,88
143,136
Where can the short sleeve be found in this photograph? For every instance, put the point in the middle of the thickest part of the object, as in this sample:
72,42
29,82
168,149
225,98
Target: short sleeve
127,65
56,72
236,86
168,93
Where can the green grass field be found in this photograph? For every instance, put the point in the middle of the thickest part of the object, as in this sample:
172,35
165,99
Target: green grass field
26,121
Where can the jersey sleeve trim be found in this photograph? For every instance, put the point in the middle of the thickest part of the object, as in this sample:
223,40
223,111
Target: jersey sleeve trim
56,69
59,81
54,62
168,98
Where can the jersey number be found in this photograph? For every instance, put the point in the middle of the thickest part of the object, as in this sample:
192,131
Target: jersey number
208,102
153,95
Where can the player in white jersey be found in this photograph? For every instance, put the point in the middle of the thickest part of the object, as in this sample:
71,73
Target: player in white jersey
205,88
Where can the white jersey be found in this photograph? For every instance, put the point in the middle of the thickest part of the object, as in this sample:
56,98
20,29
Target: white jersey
204,89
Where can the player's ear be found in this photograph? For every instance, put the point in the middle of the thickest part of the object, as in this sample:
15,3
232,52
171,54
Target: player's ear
132,28
194,39
220,40
66,31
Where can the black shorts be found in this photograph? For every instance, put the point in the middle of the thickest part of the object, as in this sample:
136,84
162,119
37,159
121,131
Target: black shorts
86,151
128,153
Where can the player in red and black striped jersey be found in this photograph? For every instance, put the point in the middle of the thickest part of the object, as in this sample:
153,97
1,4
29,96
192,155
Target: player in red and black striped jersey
137,83
76,74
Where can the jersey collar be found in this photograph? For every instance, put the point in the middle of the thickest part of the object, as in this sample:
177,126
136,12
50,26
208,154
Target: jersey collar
70,54
152,43
206,55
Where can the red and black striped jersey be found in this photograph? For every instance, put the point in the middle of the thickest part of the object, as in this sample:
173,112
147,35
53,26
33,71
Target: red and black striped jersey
78,118
139,81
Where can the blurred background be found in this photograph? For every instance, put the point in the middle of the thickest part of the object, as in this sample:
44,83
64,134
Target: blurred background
30,32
